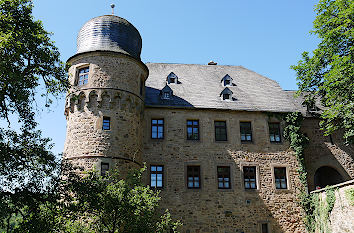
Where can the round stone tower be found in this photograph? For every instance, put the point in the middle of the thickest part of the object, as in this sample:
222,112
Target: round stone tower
105,105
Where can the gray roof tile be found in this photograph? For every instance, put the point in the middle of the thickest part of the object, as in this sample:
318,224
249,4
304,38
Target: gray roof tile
200,87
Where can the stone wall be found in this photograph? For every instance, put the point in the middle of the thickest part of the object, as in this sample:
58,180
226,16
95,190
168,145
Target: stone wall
210,209
322,151
342,215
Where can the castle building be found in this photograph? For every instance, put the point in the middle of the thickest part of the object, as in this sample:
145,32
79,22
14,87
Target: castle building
208,133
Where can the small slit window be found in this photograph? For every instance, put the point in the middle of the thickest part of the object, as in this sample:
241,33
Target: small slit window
141,87
83,76
104,169
106,124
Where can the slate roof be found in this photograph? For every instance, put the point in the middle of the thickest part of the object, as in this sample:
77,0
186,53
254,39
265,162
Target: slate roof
200,87
300,105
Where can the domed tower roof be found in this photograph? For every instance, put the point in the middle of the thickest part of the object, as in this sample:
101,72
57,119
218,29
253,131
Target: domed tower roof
109,33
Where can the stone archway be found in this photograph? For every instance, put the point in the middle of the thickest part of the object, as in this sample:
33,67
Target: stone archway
326,175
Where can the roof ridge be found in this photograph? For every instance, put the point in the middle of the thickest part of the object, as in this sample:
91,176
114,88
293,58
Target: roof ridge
167,63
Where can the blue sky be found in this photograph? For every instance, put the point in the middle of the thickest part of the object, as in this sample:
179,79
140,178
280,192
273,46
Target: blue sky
264,36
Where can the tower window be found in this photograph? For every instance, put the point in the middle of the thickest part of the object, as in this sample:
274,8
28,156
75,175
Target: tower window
227,82
193,130
280,178
223,177
106,125
157,128
246,131
156,176
193,177
104,168
83,75
274,132
220,131
249,177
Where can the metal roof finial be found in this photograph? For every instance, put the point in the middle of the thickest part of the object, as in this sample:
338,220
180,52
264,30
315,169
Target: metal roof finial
112,6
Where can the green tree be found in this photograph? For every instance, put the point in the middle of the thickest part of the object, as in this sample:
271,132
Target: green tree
92,203
28,59
113,204
329,72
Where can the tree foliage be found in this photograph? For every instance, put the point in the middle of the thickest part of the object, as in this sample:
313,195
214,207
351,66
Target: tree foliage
329,72
113,204
92,203
28,59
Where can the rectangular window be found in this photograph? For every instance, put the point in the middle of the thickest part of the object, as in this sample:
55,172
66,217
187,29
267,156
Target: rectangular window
274,132
249,177
104,168
193,177
280,178
83,76
106,125
224,177
156,176
157,128
192,129
220,131
264,228
246,131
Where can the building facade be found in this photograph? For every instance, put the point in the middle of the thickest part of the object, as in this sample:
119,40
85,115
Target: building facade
206,132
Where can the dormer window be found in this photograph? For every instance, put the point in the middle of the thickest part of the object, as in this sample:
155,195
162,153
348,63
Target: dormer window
226,94
310,106
166,92
166,95
172,78
226,80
